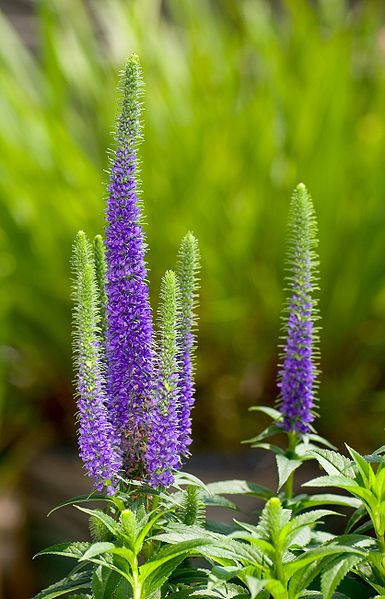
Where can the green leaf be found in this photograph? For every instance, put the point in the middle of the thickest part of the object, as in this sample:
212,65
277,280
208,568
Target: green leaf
185,478
336,571
255,585
270,447
364,468
286,467
97,549
219,501
80,499
357,515
334,463
123,590
328,499
291,530
158,577
276,589
239,487
318,595
109,522
320,440
74,582
221,574
166,554
272,412
270,431
316,554
105,583
333,481
74,550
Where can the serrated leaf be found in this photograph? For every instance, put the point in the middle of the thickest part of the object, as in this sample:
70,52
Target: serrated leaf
73,550
168,553
286,467
330,499
109,522
335,572
364,468
332,481
239,487
97,549
67,585
316,554
221,574
158,577
333,463
318,595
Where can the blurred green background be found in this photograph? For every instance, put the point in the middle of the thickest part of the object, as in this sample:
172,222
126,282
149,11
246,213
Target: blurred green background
244,99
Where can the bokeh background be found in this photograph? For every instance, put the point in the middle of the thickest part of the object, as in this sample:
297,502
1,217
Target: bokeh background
244,99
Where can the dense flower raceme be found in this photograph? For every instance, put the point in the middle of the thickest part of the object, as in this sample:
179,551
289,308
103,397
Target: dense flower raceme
162,449
96,436
135,392
129,343
297,377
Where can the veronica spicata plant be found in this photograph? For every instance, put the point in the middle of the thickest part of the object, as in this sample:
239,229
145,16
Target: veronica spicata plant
297,379
135,390
134,385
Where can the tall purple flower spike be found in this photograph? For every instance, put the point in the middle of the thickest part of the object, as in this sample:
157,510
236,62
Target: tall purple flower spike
162,456
188,269
297,377
97,444
129,339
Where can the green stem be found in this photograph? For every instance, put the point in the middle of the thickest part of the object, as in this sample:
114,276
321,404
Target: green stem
279,570
136,584
292,444
289,486
381,543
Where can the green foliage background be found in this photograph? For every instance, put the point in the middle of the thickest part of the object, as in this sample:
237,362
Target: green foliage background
243,100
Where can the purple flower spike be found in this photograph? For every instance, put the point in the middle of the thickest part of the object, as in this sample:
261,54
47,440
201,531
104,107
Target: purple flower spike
129,340
188,269
97,446
297,377
162,457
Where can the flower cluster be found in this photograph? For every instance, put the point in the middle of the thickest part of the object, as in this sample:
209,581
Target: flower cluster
297,377
135,387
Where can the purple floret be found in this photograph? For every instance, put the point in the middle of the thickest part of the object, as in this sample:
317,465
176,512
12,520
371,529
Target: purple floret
96,435
298,371
162,455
